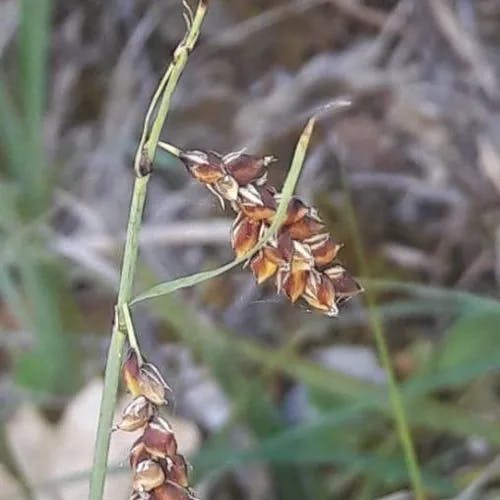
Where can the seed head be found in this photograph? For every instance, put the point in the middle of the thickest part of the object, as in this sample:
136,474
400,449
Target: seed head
305,228
172,491
136,414
262,267
138,453
320,293
227,188
256,203
205,167
130,372
152,384
302,257
245,234
148,476
159,439
291,283
345,285
323,249
296,210
245,168
176,470
140,495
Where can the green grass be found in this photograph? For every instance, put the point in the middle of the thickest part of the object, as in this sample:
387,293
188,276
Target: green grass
398,408
348,404
32,282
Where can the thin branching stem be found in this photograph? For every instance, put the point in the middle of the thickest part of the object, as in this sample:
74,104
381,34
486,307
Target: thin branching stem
142,166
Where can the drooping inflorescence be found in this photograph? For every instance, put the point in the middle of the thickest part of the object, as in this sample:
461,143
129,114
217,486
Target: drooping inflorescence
160,472
301,256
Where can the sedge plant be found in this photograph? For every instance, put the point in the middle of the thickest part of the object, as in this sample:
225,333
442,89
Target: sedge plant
274,232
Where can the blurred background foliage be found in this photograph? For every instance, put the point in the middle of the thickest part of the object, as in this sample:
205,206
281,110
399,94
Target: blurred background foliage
290,405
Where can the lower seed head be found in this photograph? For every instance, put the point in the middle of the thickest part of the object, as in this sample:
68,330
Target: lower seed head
148,476
292,284
320,294
140,495
159,439
344,284
171,491
138,453
176,470
262,267
244,235
227,187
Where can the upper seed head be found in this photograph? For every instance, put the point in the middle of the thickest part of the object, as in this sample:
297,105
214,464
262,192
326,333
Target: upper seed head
320,294
291,283
345,285
250,195
245,234
205,167
227,187
296,210
302,255
245,168
262,267
257,204
305,228
323,249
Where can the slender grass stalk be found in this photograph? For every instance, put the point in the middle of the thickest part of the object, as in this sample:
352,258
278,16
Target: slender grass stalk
142,166
34,31
395,396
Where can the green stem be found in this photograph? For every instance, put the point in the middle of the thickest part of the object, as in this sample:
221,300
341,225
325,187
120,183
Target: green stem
115,352
400,417
396,400
144,156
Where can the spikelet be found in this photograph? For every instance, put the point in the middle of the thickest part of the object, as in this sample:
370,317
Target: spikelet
301,258
159,471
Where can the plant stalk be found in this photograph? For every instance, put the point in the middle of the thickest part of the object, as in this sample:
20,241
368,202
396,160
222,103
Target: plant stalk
395,396
143,161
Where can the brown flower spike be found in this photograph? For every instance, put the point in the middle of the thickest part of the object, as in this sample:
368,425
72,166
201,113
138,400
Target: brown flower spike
159,471
301,257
